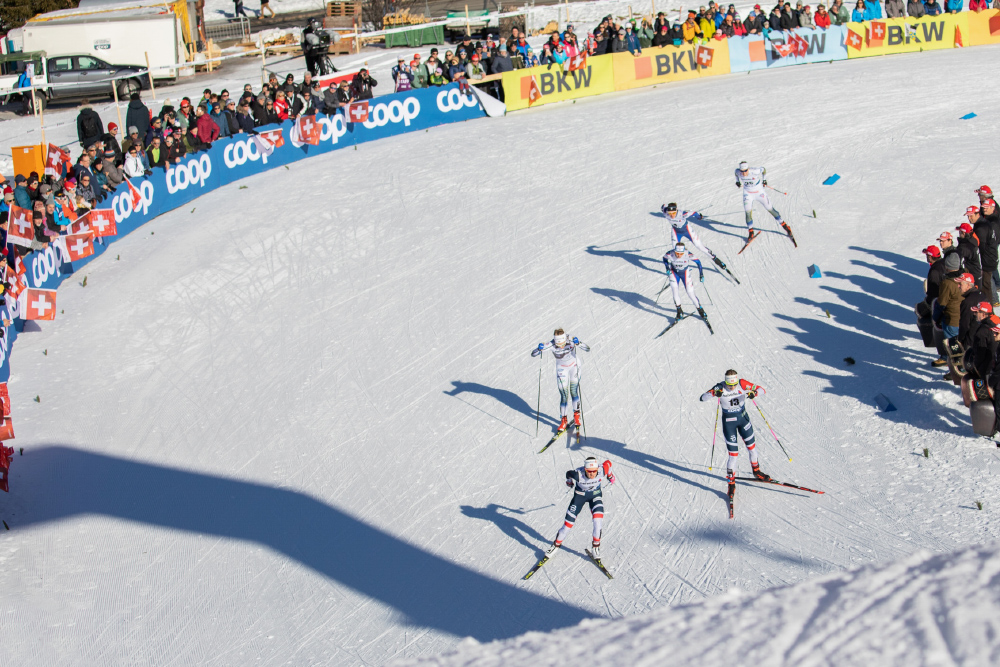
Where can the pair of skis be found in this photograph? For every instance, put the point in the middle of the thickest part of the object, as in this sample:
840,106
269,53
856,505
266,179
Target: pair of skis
732,489
684,316
558,434
551,552
788,230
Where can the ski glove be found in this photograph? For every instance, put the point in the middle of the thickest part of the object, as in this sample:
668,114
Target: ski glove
752,394
737,184
569,482
541,346
576,341
607,472
717,393
765,182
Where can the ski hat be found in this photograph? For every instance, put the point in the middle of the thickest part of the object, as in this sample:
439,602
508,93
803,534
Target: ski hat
732,377
679,249
744,166
669,207
590,463
965,278
945,236
982,307
952,262
933,251
965,228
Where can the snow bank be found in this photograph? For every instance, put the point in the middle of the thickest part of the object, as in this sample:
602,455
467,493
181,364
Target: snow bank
929,609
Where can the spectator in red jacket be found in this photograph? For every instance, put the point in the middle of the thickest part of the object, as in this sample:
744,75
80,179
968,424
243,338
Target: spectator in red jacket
208,129
977,5
822,17
281,105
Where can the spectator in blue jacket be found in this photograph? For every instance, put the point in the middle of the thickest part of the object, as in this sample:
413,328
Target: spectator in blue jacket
932,8
559,55
21,195
632,40
874,10
858,15
219,116
953,6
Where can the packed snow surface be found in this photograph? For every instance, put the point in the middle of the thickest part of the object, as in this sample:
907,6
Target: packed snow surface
295,423
924,610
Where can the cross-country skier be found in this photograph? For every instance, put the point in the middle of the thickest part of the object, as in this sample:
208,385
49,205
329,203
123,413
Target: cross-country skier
680,229
680,267
586,483
732,395
751,179
567,372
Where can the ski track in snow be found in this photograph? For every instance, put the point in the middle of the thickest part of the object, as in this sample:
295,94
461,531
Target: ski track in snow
295,424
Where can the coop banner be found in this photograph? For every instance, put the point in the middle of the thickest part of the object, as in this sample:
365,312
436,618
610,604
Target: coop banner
797,47
555,85
984,27
669,63
905,35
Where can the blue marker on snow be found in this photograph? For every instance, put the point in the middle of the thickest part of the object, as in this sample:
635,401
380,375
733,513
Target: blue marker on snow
833,179
814,271
968,116
884,404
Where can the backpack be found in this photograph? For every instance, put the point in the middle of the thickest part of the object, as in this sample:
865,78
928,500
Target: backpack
89,125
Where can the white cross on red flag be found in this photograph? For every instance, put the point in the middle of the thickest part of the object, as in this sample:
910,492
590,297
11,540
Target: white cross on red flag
102,222
39,304
55,159
4,400
20,231
18,280
81,225
357,112
704,56
579,61
853,39
784,50
79,246
273,137
534,93
309,130
876,33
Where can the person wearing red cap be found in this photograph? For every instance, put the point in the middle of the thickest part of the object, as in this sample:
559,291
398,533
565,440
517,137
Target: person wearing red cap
975,308
947,243
421,75
968,249
927,308
949,312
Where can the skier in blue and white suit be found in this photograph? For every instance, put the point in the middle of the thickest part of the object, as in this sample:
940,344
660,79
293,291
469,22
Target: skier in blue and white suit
680,230
733,394
586,484
680,269
567,371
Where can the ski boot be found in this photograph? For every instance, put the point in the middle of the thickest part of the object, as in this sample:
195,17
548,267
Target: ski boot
940,361
595,548
731,479
576,418
788,230
552,549
680,313
719,262
764,477
702,313
752,235
562,424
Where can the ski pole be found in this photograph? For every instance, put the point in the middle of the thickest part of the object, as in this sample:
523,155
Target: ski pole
777,190
538,406
583,421
665,281
771,430
710,300
715,431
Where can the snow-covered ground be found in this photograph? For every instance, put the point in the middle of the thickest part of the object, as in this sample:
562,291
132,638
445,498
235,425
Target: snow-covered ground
929,609
294,423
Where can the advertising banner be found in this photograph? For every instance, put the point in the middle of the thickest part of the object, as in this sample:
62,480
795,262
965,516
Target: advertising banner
669,63
984,27
556,85
808,45
906,35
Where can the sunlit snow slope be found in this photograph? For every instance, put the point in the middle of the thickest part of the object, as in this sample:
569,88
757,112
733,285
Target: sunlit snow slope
295,423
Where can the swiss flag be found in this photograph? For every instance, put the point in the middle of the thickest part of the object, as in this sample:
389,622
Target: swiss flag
958,37
81,225
704,56
800,44
784,50
79,246
40,304
534,93
578,61
995,25
6,454
55,160
134,195
853,39
876,34
18,282
357,112
102,222
4,400
309,130
67,210
273,137
20,231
